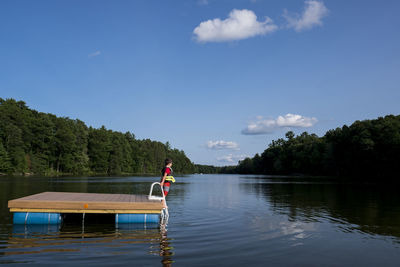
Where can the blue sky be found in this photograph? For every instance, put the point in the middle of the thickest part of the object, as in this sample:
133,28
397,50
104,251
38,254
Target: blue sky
218,79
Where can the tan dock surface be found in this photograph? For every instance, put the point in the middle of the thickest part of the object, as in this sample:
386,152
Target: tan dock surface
64,202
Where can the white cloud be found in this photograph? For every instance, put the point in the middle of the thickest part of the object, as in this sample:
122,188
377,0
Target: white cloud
294,120
266,126
312,16
232,158
95,54
218,145
240,24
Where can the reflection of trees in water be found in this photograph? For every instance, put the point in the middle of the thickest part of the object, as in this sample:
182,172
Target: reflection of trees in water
373,208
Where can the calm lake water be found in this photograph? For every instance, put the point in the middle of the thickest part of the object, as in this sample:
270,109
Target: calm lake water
217,220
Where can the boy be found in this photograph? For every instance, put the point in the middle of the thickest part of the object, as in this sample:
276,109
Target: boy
166,178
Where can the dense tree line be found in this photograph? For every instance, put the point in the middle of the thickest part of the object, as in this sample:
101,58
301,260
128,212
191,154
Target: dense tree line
210,169
366,148
41,143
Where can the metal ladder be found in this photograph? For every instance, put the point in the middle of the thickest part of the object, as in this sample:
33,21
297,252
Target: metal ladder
164,212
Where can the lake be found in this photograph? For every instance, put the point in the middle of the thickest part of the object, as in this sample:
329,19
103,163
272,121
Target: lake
217,220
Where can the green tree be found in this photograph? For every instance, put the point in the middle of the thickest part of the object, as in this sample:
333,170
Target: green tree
99,149
5,162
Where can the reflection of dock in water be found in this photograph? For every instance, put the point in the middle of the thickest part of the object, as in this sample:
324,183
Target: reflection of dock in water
105,239
51,207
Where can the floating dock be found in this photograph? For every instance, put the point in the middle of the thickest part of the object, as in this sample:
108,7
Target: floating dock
49,207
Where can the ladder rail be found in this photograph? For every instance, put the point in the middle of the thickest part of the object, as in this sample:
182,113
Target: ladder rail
151,197
164,212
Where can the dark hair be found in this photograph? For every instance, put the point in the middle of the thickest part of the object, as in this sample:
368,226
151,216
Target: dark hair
168,161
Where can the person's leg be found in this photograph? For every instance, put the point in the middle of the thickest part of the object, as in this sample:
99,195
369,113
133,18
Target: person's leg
166,191
166,188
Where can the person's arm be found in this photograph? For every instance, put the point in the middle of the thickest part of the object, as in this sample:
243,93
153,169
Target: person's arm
163,179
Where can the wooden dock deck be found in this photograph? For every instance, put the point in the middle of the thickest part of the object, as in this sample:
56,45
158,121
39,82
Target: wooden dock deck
64,202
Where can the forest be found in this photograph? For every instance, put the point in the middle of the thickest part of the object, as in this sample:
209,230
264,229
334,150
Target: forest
38,143
369,148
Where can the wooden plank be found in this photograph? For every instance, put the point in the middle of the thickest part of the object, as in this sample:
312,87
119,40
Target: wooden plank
127,198
84,204
141,198
56,196
149,211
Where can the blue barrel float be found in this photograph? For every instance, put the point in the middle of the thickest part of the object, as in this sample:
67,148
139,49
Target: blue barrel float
137,218
55,218
37,218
